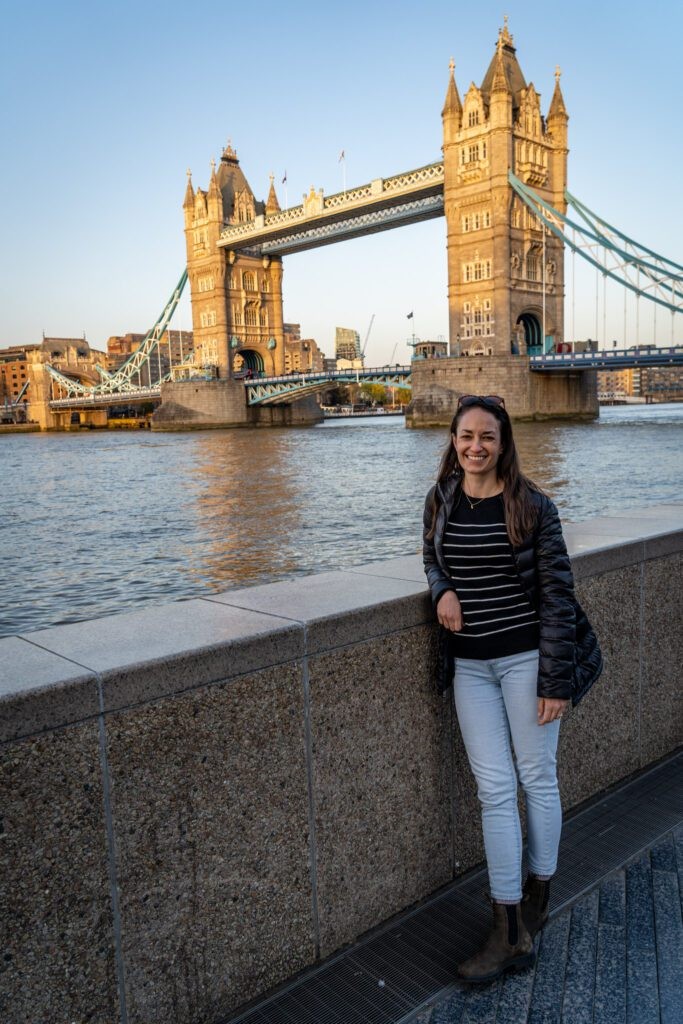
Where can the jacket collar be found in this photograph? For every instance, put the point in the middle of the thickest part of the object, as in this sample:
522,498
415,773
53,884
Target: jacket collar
449,488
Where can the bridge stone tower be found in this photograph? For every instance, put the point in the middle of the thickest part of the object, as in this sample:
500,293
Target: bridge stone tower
505,280
236,299
505,273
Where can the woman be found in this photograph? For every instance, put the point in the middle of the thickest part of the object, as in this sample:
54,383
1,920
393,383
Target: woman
501,583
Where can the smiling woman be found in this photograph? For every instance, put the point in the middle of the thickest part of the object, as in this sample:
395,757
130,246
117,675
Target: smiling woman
501,584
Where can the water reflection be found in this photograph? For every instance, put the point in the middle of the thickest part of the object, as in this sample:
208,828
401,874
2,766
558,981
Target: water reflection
247,502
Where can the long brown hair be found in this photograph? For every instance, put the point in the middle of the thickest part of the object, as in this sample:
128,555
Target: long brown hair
520,512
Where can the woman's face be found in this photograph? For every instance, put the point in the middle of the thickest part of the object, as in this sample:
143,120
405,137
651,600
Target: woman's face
477,442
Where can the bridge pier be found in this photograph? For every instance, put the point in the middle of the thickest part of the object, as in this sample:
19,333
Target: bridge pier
215,404
528,395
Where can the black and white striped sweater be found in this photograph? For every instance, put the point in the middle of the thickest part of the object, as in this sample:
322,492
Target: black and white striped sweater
499,619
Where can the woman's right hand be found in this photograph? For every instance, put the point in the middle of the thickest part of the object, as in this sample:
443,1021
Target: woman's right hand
449,611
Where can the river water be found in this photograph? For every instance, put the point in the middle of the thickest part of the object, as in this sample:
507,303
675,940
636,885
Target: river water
99,522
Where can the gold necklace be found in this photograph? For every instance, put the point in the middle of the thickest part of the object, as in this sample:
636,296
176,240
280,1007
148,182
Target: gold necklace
473,504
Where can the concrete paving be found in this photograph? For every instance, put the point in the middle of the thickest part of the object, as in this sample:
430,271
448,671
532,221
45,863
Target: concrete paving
614,957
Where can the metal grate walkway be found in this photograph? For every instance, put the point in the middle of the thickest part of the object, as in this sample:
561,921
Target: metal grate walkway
406,965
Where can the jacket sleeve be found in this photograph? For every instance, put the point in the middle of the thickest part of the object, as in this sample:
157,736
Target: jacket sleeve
557,607
437,579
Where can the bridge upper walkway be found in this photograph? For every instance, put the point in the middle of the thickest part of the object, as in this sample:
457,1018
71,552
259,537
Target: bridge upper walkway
320,220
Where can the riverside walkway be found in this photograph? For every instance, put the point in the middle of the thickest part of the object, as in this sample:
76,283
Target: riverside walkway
612,952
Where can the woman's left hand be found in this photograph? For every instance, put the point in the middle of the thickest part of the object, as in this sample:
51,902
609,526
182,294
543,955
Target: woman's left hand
550,708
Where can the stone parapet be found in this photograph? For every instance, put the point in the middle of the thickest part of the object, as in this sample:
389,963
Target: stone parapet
200,799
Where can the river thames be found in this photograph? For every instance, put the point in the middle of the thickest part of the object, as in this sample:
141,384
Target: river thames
100,522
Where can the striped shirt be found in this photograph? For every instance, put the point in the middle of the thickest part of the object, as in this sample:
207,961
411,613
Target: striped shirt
498,617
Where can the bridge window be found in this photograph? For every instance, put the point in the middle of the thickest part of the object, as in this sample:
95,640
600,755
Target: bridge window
237,315
250,318
473,118
473,154
208,319
483,150
265,285
487,219
206,284
249,281
263,318
532,267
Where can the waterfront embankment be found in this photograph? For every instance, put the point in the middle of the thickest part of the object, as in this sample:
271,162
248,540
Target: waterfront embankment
203,797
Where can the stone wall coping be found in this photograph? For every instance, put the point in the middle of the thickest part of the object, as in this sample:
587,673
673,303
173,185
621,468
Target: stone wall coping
53,677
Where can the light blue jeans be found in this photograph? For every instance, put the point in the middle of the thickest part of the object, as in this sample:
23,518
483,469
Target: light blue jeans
497,710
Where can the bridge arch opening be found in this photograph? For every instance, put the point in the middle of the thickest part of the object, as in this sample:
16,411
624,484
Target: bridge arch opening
248,359
533,335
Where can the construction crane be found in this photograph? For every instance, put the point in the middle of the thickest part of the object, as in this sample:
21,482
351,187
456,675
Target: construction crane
365,343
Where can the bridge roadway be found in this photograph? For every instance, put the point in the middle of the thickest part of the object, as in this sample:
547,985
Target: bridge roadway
287,387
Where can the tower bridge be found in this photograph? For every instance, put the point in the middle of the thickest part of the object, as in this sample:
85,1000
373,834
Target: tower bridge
510,220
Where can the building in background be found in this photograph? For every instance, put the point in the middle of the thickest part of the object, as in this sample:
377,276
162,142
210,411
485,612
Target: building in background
347,348
303,355
13,372
174,350
615,384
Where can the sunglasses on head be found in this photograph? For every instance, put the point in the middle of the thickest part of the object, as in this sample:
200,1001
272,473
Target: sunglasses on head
495,400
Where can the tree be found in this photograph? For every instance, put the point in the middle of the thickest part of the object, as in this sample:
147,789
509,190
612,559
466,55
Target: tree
375,394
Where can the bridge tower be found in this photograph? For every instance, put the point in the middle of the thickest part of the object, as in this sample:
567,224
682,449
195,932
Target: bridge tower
505,280
236,299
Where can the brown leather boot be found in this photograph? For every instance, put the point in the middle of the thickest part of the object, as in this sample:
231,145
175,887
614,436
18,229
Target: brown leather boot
535,897
508,945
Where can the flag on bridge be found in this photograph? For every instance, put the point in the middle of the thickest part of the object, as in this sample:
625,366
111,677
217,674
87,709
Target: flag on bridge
342,156
284,180
410,316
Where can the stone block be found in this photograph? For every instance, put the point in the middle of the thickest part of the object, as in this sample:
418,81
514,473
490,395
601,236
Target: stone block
155,651
39,690
599,740
381,753
210,811
662,638
339,608
468,839
56,933
405,567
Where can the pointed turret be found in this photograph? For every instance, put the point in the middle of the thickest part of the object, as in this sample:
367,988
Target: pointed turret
452,106
213,181
234,189
505,61
189,192
272,204
499,82
557,111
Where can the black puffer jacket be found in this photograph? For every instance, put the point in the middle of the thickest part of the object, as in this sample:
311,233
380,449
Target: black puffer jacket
565,671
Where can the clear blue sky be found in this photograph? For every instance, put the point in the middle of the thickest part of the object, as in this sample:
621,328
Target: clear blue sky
104,106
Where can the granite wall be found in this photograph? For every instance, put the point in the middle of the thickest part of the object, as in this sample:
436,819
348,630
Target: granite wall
200,799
